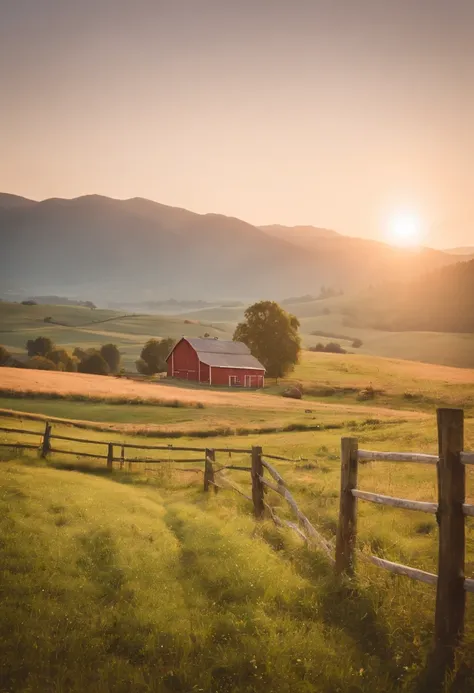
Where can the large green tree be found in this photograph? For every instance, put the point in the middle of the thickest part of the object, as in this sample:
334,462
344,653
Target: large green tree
111,354
271,334
153,356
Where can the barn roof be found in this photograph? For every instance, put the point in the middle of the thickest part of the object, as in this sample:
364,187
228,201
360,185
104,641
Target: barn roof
223,354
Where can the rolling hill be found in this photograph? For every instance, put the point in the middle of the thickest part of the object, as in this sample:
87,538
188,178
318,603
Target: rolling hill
101,249
467,250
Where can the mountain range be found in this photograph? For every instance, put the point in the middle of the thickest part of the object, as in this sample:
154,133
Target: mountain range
104,249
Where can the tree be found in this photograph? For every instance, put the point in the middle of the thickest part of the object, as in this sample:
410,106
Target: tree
80,354
41,346
153,356
271,334
63,360
5,356
94,363
41,363
112,357
329,348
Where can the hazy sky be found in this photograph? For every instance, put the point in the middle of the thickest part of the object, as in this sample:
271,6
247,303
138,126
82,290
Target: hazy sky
326,112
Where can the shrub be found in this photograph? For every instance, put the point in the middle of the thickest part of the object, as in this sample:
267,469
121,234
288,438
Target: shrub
63,360
94,363
41,363
357,343
111,355
293,393
29,302
368,393
330,348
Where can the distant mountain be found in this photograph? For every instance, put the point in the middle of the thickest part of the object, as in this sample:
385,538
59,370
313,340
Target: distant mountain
461,251
438,301
8,201
300,235
135,250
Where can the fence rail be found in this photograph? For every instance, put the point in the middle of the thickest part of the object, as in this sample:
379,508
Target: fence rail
369,456
395,502
450,511
467,457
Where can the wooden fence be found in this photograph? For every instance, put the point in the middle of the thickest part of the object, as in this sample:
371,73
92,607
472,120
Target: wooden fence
450,511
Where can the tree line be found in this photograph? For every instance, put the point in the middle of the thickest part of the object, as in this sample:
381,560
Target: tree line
44,355
269,331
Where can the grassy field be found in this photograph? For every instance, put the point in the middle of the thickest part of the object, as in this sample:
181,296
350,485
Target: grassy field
77,326
344,318
119,581
131,581
329,320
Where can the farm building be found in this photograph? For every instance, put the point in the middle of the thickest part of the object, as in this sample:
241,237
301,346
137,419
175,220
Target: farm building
215,362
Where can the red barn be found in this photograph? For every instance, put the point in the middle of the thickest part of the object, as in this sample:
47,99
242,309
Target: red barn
215,362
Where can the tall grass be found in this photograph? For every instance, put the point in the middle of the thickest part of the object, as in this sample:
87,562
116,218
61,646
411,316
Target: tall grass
153,586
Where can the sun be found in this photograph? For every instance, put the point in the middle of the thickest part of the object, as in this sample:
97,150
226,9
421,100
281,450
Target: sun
404,230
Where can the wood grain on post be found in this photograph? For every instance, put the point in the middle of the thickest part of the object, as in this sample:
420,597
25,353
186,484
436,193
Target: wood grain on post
110,455
46,444
347,527
257,486
209,470
450,594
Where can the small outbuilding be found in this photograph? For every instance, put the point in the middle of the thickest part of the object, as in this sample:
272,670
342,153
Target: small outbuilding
215,362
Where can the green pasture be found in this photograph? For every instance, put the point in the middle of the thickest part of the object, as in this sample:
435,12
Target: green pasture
321,321
137,580
86,328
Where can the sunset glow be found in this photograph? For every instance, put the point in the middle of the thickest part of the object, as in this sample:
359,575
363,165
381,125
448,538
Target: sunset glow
405,230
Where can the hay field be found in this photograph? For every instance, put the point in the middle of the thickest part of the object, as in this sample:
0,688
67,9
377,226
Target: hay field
37,382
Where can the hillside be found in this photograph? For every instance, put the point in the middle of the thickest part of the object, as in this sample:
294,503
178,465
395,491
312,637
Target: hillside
301,235
101,249
72,326
441,301
467,250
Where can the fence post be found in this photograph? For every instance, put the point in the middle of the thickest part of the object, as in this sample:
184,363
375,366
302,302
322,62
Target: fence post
122,457
450,593
208,468
110,456
347,527
257,486
46,444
